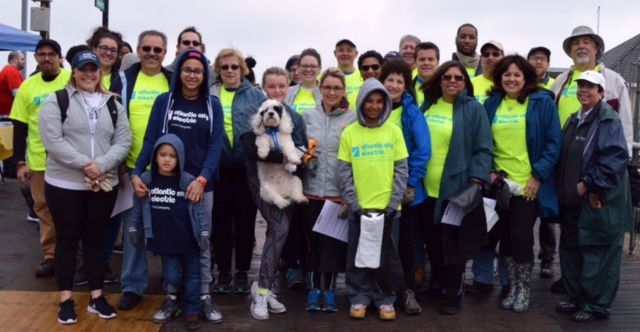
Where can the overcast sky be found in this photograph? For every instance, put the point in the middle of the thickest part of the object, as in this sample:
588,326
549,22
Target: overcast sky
271,31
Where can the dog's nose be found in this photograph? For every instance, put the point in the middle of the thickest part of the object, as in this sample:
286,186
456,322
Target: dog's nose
270,114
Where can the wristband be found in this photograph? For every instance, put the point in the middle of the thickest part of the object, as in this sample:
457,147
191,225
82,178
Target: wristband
202,180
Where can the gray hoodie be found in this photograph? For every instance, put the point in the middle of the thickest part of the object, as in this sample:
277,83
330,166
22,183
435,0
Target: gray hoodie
401,169
70,145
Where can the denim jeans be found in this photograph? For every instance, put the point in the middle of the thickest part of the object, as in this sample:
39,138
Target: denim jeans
134,261
183,271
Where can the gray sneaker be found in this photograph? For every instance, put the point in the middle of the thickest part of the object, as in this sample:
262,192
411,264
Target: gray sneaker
409,303
169,309
209,310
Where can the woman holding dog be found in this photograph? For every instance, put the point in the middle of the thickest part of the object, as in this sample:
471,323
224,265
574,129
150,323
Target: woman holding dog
235,213
324,124
275,83
188,111
526,137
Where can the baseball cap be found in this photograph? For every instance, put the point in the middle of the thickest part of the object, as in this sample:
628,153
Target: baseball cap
84,58
49,42
493,43
542,49
345,41
593,77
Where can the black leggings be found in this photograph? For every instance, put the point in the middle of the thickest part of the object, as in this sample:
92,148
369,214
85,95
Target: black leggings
234,220
517,233
79,215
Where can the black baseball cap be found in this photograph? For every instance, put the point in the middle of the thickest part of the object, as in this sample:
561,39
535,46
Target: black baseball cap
542,49
49,42
345,41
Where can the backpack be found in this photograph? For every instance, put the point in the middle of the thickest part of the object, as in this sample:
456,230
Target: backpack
63,103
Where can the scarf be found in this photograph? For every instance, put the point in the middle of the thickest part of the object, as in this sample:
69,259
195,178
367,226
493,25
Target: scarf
468,61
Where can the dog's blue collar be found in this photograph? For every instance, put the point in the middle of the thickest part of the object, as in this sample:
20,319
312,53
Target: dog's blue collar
273,132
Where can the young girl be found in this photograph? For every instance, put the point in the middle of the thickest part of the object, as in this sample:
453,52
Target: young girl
174,227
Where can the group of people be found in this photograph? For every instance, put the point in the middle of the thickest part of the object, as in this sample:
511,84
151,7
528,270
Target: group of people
394,140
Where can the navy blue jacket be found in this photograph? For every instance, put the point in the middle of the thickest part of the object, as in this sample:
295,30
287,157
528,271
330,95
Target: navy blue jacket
544,140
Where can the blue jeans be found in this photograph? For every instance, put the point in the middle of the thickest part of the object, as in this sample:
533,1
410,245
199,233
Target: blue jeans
181,270
483,268
134,261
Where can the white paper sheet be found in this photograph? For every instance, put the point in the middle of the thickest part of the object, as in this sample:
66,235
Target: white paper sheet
453,215
330,225
370,241
490,212
125,197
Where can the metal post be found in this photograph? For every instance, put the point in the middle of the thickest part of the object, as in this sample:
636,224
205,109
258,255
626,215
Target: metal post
44,4
23,26
636,113
105,15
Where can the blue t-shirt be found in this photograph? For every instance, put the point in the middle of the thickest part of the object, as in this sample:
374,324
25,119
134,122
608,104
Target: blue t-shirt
172,230
189,120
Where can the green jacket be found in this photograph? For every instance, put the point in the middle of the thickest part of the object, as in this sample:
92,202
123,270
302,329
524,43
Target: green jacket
470,150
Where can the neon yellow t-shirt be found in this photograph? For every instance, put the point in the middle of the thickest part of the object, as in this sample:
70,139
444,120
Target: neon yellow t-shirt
353,82
26,108
396,116
569,103
471,71
226,99
440,121
372,153
549,84
303,101
414,73
419,94
481,88
509,129
106,82
144,93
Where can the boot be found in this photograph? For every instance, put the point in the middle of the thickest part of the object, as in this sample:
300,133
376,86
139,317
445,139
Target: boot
523,279
507,302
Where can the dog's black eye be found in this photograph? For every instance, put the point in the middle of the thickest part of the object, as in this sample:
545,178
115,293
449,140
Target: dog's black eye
262,112
278,109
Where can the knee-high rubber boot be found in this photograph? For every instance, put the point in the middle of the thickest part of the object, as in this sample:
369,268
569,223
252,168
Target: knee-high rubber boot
507,302
523,277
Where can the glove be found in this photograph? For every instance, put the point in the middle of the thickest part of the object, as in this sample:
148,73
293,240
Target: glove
344,211
204,242
390,213
133,237
409,196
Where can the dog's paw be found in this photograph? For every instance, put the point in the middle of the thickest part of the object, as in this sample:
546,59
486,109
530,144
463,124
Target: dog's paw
282,203
301,200
289,167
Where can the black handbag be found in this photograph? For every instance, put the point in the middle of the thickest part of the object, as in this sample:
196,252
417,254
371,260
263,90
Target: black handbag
468,198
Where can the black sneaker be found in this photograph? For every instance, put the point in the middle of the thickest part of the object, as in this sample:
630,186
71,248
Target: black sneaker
546,270
191,322
223,285
45,269
241,283
80,276
109,276
129,300
101,307
67,312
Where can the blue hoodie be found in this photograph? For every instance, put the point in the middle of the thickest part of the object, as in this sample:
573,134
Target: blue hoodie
204,154
140,217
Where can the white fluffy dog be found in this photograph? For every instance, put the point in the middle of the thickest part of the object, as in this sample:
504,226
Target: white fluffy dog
272,126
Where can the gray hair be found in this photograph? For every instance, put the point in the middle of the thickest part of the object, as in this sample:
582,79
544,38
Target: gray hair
407,38
13,55
152,33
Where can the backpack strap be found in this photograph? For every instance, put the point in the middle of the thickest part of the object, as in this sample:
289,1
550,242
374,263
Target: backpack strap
63,102
113,110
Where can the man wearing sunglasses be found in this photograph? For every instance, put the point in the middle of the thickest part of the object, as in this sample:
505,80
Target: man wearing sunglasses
188,39
138,87
490,53
27,143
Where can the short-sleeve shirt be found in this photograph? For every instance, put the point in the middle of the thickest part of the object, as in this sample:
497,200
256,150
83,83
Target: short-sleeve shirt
26,108
569,103
372,153
353,83
226,99
10,80
481,88
440,121
304,100
144,94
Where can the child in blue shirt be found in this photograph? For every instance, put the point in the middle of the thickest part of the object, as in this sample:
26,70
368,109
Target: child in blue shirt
174,227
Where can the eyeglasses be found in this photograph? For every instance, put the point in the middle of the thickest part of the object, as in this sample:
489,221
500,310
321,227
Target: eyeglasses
233,67
46,55
372,67
195,43
457,78
328,89
308,66
495,54
107,49
538,59
190,71
156,49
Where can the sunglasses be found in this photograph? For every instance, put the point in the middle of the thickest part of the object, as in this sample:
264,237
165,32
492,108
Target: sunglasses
233,67
156,49
495,54
195,43
457,78
372,67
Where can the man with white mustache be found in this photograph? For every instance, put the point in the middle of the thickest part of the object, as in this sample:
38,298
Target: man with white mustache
585,49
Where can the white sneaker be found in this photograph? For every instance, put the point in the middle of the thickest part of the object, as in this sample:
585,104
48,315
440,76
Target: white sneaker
274,305
259,306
